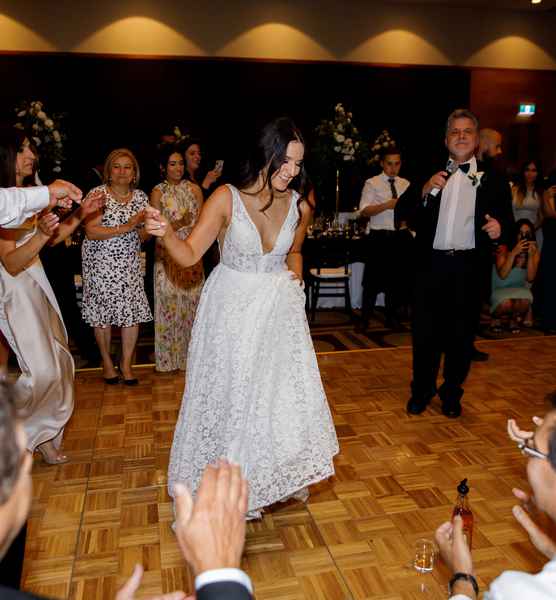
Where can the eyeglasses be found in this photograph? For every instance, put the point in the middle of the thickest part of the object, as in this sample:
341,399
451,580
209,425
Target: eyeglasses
529,451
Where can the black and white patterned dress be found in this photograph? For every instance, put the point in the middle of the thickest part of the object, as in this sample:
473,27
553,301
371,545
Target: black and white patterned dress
113,287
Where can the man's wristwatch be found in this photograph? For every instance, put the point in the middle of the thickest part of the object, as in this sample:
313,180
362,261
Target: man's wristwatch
466,577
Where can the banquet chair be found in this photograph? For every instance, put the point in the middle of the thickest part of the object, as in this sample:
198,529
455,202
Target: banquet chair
329,276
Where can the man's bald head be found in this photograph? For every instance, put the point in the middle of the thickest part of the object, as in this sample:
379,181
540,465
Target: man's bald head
490,143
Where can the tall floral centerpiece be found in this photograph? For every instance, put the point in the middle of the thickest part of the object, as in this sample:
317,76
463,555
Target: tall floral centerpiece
337,145
383,141
45,132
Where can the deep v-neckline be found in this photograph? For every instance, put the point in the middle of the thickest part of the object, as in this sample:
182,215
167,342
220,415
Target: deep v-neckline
263,253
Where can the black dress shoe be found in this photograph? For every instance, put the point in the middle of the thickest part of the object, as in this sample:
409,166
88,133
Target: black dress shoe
452,410
477,355
416,407
112,380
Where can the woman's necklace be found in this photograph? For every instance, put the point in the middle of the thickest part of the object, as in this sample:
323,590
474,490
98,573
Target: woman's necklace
121,198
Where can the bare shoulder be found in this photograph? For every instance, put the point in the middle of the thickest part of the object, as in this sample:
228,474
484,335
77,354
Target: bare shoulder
304,207
221,200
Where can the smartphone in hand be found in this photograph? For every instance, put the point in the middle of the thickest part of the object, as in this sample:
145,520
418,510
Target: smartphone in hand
219,165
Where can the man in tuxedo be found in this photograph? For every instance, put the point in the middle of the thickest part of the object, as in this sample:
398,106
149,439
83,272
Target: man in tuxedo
456,222
210,531
388,247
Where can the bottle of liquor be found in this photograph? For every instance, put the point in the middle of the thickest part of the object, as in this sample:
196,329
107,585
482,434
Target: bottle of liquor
462,508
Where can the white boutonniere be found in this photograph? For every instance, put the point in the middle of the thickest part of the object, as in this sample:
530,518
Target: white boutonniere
475,178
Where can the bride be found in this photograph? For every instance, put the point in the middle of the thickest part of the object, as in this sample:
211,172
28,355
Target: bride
253,390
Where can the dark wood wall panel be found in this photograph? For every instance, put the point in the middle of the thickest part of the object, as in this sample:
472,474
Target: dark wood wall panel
113,101
495,97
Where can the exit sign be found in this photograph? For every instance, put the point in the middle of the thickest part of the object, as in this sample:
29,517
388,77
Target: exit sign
526,110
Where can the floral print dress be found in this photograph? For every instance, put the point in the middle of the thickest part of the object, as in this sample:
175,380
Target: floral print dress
176,289
113,287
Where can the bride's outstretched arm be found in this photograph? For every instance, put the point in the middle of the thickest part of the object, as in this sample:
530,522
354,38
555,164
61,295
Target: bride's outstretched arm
215,216
295,258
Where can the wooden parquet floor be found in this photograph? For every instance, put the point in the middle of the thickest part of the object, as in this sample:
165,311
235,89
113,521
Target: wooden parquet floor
93,518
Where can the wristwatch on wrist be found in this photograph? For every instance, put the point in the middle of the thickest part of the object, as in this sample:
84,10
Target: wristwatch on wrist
466,577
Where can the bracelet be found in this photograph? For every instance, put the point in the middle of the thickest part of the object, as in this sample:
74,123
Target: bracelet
467,577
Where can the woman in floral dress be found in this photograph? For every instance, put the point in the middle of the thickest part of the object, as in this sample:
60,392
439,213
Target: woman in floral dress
176,289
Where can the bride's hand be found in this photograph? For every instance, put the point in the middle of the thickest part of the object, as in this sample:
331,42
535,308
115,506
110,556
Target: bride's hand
155,223
295,277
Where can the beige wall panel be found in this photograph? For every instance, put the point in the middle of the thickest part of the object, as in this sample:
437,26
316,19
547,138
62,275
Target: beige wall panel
275,40
514,52
138,35
398,46
17,37
354,30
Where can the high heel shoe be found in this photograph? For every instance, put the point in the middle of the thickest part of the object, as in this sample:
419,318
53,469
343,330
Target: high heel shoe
133,381
60,459
112,380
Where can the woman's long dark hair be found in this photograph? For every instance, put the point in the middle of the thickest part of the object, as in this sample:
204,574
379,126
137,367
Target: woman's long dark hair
522,187
164,152
518,225
268,156
183,147
11,142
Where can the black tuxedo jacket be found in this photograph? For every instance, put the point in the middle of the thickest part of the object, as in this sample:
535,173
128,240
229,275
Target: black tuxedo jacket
493,198
223,590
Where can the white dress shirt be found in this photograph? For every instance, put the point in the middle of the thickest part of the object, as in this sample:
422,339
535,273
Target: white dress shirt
220,575
18,204
456,222
376,191
517,585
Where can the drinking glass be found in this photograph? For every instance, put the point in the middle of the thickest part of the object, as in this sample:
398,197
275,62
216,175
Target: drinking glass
423,560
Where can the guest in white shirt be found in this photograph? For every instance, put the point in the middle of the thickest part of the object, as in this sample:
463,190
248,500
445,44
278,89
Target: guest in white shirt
18,204
388,238
540,448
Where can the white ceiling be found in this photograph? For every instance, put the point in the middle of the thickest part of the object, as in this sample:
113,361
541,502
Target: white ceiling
503,4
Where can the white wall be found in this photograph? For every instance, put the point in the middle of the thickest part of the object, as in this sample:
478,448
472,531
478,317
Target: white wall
348,30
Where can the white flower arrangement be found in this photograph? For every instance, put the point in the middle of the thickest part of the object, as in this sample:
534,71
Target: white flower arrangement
339,138
475,178
44,131
384,140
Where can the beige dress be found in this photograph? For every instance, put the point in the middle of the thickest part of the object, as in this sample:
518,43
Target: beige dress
176,289
31,321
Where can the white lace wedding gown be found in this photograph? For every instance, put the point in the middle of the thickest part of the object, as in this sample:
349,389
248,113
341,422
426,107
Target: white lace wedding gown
253,390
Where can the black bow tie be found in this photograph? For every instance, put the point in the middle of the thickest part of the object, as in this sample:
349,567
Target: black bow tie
465,167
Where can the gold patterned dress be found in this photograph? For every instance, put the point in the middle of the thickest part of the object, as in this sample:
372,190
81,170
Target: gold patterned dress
176,289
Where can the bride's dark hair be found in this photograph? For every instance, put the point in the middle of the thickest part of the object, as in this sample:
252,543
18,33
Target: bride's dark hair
11,142
268,156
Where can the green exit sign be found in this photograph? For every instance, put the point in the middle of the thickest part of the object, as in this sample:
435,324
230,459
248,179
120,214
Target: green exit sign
527,110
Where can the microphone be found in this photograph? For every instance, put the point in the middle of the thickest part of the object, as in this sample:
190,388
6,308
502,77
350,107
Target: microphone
451,168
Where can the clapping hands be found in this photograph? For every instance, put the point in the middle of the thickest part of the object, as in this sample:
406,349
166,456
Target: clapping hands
92,203
155,223
211,530
48,223
63,194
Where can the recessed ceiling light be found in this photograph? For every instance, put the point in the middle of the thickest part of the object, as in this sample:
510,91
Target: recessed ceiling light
536,1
